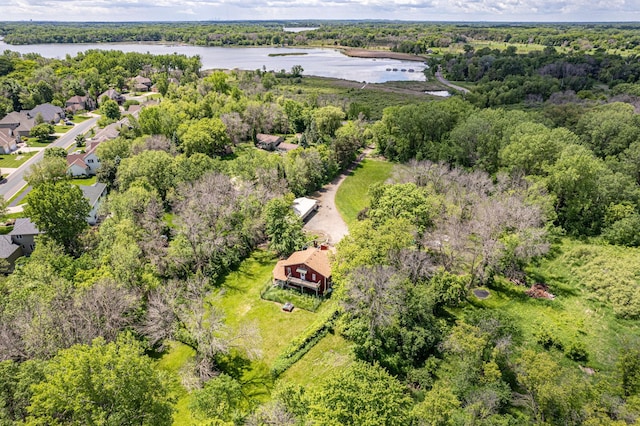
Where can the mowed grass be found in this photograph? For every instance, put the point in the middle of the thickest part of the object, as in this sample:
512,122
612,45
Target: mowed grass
12,161
240,301
330,355
353,194
574,316
177,355
86,181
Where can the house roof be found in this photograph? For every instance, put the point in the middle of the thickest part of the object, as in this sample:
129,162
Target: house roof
284,146
264,138
94,192
24,226
49,112
313,257
7,247
111,94
76,160
303,206
77,100
142,80
14,118
6,136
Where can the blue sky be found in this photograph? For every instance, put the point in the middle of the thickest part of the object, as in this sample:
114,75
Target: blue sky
427,10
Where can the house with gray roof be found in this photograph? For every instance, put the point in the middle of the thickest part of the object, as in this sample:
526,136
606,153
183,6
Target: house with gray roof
94,194
24,234
50,113
9,251
8,141
80,103
19,122
112,94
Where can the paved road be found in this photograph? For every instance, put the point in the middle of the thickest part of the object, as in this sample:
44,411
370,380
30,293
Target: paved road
446,82
327,220
15,181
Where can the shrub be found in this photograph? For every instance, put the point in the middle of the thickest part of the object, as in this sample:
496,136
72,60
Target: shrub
576,351
548,340
281,295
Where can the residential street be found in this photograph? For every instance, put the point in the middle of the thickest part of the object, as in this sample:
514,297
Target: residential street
15,181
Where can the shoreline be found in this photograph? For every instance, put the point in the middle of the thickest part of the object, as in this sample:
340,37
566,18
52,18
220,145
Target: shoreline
381,54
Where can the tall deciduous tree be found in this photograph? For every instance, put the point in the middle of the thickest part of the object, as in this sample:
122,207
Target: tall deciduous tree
207,136
59,210
282,226
363,395
102,383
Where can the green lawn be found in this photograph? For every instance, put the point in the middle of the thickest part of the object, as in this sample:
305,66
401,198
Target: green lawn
80,118
240,300
332,353
87,181
62,128
353,196
35,143
13,161
172,361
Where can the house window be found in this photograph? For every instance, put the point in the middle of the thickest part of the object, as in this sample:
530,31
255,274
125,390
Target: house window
33,247
313,277
288,271
89,161
18,237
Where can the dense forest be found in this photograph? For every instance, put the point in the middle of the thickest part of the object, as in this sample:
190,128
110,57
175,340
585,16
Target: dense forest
490,274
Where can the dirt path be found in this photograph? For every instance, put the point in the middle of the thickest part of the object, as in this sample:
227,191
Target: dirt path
446,82
327,220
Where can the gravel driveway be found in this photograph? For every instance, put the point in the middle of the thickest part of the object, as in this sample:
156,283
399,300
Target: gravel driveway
327,220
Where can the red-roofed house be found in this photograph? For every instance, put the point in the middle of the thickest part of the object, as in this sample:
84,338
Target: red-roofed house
308,270
84,164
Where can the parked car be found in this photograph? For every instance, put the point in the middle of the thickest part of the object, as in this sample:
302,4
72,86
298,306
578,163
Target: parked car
69,123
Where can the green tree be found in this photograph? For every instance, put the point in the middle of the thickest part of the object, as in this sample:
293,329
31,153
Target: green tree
221,398
207,136
154,169
327,120
50,169
110,110
59,210
282,226
53,152
102,383
362,395
42,131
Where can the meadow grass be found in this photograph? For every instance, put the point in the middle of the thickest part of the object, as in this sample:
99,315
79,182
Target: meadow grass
353,194
577,314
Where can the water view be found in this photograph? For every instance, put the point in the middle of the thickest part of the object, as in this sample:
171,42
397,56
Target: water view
315,61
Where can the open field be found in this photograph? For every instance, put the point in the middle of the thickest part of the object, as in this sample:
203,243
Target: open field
575,315
353,195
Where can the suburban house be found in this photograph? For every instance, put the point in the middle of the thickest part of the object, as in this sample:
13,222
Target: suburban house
24,235
112,94
307,270
84,163
9,251
268,142
19,122
8,142
141,84
303,207
49,113
94,195
80,103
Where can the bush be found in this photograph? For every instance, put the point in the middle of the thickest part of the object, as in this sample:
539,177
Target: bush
576,351
548,340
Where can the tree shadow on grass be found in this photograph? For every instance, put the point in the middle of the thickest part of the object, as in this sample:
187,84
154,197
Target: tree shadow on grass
254,376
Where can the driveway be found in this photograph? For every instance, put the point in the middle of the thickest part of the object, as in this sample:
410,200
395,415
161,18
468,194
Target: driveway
327,220
446,82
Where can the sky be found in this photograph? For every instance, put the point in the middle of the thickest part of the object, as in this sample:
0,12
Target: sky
413,10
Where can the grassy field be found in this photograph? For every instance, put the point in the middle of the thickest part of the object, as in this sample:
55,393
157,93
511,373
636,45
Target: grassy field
13,161
62,128
35,143
575,315
353,196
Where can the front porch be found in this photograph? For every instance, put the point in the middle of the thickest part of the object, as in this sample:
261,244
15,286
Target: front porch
298,284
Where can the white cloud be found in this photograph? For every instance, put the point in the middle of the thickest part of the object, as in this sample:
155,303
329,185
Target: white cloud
458,10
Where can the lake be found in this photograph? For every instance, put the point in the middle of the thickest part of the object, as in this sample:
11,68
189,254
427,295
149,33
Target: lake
314,61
